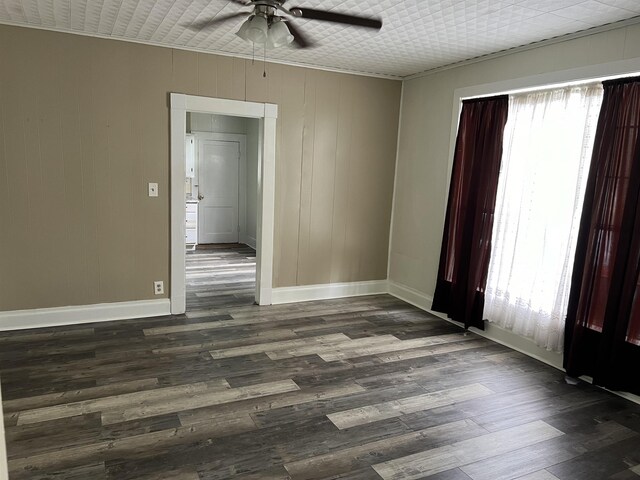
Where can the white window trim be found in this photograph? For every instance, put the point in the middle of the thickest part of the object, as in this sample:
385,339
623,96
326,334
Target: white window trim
543,81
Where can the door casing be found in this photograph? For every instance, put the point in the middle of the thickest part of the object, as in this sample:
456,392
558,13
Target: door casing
267,114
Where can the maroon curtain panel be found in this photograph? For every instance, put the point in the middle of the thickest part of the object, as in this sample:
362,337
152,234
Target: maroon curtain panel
602,335
466,242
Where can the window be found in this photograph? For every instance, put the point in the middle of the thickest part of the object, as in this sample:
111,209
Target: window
548,142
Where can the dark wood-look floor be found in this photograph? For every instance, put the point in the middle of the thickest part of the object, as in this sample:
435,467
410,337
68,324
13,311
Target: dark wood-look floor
361,388
221,275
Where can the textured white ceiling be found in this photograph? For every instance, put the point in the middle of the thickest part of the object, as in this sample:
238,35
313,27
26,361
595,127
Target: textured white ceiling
417,35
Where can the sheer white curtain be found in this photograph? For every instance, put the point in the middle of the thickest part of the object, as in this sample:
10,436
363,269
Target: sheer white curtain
547,150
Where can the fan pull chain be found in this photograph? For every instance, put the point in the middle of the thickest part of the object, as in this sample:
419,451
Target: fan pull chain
264,62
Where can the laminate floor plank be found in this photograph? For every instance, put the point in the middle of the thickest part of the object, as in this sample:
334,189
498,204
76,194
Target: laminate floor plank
347,353
312,309
49,400
249,320
84,407
313,409
61,434
396,408
360,456
133,446
372,373
321,340
249,338
542,455
356,388
431,350
16,387
182,474
539,475
256,405
342,345
46,335
105,372
464,452
607,462
196,400
453,474
94,471
560,404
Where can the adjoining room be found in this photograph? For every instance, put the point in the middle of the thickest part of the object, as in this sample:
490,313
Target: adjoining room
221,209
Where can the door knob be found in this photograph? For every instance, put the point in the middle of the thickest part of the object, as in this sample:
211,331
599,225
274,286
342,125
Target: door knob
200,196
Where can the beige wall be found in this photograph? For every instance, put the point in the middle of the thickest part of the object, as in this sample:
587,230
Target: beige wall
422,174
85,125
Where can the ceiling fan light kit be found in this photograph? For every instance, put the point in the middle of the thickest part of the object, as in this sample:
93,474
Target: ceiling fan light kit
279,35
272,33
255,29
265,27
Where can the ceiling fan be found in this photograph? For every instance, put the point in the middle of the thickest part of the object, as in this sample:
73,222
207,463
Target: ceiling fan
271,24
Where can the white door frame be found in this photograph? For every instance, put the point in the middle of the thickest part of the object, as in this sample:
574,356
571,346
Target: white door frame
267,114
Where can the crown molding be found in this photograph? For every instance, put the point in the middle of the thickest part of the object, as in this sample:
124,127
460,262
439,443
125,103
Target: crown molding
529,46
206,51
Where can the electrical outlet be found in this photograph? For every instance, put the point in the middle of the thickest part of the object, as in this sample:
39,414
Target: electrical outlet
158,287
153,189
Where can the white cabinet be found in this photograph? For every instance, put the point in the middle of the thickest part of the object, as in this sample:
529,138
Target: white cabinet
191,237
191,224
190,156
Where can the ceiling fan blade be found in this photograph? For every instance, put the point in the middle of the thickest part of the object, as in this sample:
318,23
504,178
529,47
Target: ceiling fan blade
240,2
301,40
212,22
313,14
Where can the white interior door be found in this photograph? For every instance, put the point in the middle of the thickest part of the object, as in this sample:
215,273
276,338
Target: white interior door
218,175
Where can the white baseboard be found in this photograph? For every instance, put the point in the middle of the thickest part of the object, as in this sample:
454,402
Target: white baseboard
4,469
326,291
78,314
412,296
491,332
629,396
520,344
250,241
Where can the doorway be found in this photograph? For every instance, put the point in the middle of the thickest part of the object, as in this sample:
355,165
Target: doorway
221,208
221,211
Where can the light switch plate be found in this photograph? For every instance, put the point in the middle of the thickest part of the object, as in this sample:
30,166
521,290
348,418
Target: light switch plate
153,189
